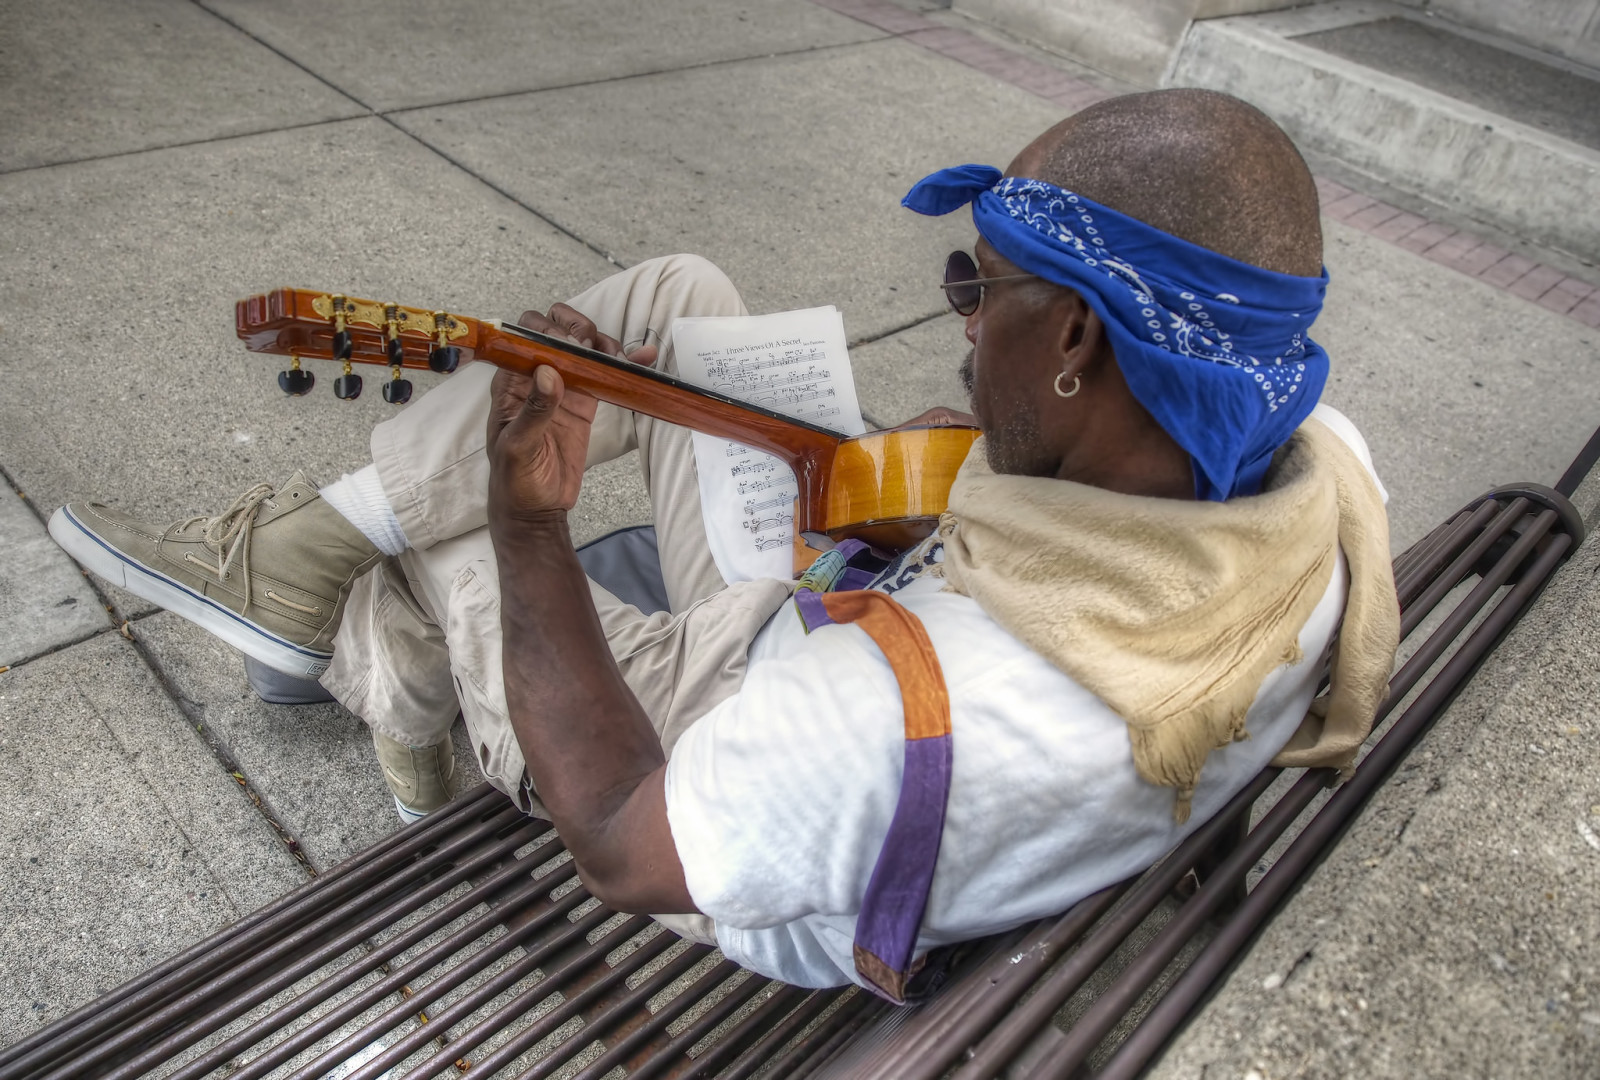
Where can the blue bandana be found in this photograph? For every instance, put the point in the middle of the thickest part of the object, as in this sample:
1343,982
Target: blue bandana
1215,348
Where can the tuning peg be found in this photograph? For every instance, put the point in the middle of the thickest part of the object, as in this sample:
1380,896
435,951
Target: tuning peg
348,385
341,345
444,358
396,391
295,382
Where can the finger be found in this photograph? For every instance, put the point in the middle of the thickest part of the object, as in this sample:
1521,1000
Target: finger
536,320
644,354
507,394
540,406
579,404
575,324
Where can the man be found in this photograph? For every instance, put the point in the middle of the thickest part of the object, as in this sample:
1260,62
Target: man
1124,616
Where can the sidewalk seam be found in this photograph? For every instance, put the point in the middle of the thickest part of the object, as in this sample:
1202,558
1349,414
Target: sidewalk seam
893,330
1458,249
582,83
281,54
218,751
370,111
180,145
220,878
388,116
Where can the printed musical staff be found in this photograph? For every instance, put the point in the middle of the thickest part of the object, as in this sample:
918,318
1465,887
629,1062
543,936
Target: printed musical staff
777,521
754,464
753,507
748,486
794,363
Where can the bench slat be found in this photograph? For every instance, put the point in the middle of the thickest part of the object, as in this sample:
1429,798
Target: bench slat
464,944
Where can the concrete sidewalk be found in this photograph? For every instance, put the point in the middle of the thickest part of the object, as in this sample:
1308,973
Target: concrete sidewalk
488,158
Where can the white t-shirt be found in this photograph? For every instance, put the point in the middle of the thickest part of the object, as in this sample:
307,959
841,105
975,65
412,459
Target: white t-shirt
780,797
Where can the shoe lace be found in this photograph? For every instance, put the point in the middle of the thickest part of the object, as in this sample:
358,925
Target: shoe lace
232,529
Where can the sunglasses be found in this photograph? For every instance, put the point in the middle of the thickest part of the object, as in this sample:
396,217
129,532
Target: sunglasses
962,285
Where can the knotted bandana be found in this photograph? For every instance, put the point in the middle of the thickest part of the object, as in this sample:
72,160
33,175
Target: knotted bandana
1215,348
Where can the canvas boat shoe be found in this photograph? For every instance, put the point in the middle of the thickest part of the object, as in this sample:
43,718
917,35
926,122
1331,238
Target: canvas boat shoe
269,575
422,778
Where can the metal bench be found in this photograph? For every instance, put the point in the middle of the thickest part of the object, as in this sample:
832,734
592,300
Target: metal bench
464,944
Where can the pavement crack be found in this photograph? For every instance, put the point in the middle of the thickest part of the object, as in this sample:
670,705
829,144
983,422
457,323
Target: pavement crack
188,841
581,83
504,193
388,116
868,339
1299,960
195,715
282,55
180,144
60,647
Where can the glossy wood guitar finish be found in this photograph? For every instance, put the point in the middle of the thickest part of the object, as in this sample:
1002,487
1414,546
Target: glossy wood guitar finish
886,487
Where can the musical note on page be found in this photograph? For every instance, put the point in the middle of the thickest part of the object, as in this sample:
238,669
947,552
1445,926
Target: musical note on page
794,363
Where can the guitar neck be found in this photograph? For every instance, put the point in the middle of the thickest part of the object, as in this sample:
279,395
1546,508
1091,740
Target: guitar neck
885,483
633,386
300,323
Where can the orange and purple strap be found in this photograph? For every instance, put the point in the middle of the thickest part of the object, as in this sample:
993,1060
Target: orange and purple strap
897,893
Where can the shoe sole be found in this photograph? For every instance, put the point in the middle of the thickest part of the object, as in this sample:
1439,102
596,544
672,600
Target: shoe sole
408,816
105,561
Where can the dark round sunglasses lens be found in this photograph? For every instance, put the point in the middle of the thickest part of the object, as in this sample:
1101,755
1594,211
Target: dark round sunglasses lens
959,268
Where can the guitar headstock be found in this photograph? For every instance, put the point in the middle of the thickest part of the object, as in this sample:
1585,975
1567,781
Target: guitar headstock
305,324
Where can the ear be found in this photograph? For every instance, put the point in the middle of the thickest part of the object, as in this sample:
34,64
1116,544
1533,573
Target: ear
1081,345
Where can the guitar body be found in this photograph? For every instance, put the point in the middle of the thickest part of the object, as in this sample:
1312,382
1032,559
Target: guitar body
886,488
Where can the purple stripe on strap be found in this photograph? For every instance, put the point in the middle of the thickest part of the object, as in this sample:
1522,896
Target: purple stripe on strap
897,894
812,612
850,548
853,579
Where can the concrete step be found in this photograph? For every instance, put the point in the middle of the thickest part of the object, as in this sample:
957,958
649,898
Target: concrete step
1495,130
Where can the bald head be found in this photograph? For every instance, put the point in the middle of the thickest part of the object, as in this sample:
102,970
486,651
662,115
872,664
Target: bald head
1200,165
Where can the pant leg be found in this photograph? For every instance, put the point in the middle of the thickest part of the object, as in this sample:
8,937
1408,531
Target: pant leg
394,672
678,665
391,663
392,669
431,460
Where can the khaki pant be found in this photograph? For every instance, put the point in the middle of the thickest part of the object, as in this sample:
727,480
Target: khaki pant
421,636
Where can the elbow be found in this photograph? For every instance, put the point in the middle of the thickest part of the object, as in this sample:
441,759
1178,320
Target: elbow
605,887
619,891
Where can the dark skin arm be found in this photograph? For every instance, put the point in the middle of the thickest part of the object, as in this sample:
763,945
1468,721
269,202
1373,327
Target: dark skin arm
592,753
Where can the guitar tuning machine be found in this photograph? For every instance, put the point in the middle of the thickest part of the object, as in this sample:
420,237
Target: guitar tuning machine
348,385
443,357
296,382
341,334
397,391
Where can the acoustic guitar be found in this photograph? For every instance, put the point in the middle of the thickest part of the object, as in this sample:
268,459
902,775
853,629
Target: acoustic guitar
886,488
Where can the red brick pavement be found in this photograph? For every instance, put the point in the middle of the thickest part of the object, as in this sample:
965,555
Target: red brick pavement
1463,251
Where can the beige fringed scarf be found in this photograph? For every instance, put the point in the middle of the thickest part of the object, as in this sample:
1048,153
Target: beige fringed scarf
1174,612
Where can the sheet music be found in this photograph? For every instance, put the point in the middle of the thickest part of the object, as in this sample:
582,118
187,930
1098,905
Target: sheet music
794,363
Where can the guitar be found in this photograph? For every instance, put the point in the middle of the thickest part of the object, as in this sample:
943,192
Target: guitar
886,488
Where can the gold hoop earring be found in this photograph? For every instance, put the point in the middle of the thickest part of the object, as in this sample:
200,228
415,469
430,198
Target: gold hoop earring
1077,384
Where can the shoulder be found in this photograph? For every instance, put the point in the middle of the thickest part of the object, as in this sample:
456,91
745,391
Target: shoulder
1342,426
